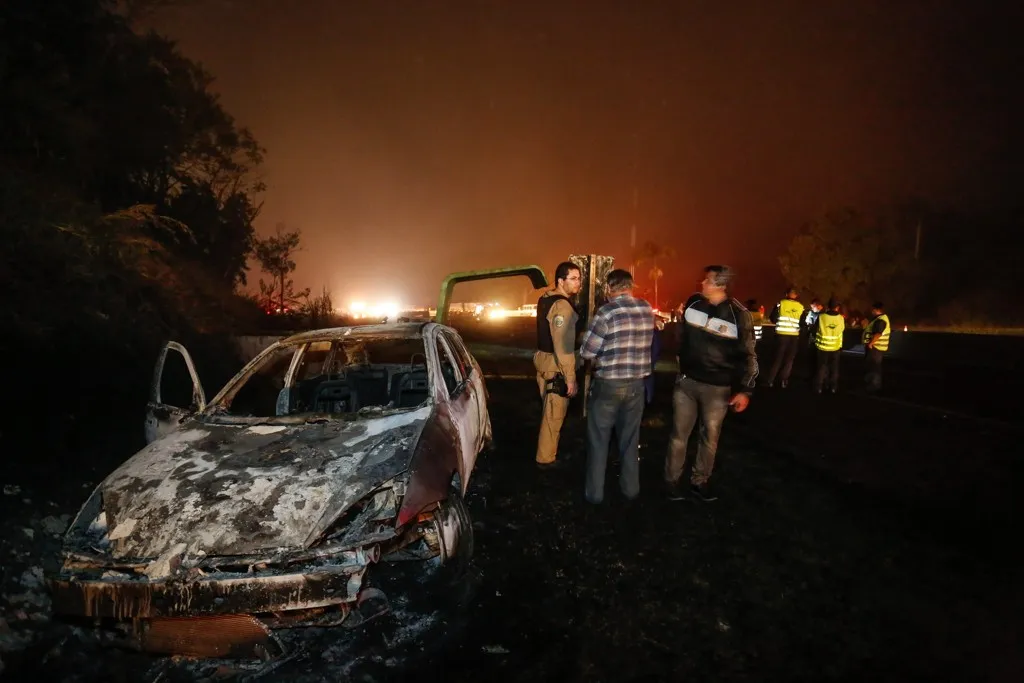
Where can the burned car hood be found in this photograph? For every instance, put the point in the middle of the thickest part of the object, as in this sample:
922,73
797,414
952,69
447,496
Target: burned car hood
241,489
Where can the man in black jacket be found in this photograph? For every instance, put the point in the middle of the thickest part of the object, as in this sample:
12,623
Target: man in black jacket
717,370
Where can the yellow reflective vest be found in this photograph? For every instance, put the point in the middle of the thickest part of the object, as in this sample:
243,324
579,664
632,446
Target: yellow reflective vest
830,332
790,312
883,342
757,318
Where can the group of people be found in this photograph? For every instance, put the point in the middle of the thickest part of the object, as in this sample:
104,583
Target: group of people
717,372
824,328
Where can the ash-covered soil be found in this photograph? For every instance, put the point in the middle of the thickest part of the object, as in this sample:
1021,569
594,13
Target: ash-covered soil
854,539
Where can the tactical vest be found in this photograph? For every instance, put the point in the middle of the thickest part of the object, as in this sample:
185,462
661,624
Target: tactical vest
830,332
788,323
883,342
544,341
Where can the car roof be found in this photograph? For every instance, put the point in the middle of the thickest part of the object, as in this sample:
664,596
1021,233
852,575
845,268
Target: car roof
385,331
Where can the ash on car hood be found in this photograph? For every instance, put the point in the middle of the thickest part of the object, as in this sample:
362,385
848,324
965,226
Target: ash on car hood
238,490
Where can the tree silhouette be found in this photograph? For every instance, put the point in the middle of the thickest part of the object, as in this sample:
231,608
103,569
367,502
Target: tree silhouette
275,256
651,253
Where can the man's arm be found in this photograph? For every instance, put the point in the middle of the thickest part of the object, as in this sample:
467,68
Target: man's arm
774,317
746,361
876,331
683,331
563,334
593,340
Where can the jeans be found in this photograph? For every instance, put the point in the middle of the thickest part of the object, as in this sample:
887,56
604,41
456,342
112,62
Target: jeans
785,354
873,369
690,399
618,404
828,365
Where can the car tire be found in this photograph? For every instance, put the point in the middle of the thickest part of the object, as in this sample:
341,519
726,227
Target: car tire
454,530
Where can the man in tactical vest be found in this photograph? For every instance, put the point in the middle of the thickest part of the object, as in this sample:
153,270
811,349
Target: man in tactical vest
828,340
554,360
876,343
786,316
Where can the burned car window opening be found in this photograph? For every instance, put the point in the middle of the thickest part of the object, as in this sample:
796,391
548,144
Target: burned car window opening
449,369
462,356
345,376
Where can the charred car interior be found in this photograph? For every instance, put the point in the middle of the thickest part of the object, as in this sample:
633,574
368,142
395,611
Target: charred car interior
330,452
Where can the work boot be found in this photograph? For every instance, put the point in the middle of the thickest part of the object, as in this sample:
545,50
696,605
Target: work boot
703,492
675,492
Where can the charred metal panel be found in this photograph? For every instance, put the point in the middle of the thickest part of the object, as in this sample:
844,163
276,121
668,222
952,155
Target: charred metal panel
434,463
237,490
234,636
177,598
594,271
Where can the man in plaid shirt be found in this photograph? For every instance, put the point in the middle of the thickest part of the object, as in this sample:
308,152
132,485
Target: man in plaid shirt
619,344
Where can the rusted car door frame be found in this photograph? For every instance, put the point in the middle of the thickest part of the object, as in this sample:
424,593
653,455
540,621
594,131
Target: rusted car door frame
535,273
479,389
162,418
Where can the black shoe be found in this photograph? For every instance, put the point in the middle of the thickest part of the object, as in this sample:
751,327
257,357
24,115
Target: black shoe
675,492
703,492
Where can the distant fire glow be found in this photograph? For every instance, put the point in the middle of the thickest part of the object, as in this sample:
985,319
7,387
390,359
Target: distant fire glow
363,309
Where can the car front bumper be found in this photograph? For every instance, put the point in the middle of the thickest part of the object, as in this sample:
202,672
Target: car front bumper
205,595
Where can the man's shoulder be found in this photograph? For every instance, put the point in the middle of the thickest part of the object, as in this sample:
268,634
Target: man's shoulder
552,294
624,304
738,307
562,307
642,304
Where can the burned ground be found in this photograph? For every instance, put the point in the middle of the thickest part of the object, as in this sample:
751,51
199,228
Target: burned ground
872,541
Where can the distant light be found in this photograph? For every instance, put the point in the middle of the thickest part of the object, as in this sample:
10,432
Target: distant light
357,307
905,328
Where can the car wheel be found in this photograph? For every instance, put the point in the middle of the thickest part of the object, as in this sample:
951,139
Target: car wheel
452,531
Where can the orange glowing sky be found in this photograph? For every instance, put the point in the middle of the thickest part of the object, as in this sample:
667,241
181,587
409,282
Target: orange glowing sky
407,139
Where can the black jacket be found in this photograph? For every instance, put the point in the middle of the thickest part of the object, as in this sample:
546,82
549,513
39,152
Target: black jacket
716,344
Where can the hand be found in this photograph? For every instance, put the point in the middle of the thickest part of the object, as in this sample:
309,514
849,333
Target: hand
571,384
739,402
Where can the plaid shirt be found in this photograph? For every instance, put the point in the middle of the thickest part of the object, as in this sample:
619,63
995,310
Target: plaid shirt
619,339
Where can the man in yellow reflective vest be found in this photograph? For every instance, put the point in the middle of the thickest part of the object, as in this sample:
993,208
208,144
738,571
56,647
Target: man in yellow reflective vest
786,316
828,340
876,343
756,317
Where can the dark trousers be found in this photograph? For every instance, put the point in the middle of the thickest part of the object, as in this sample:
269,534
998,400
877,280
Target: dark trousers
828,366
693,399
785,353
873,368
614,404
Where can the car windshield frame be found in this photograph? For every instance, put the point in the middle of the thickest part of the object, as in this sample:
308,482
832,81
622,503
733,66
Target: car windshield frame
218,410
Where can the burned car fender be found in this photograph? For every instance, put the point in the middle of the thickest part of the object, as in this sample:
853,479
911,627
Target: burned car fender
434,464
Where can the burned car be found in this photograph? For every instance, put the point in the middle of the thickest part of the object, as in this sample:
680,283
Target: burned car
331,452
